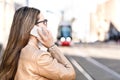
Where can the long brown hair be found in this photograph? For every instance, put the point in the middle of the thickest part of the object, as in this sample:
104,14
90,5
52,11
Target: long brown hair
23,21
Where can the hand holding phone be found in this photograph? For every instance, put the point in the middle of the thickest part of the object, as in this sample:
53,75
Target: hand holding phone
43,35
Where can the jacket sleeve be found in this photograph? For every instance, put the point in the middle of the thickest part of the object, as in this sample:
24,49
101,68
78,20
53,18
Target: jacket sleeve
50,68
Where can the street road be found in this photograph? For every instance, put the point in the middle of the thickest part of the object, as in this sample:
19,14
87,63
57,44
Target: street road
95,61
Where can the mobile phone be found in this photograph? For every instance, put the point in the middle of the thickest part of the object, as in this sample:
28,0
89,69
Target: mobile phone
34,31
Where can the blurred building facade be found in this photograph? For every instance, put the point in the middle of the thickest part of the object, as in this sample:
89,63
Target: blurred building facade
7,8
106,13
6,14
98,21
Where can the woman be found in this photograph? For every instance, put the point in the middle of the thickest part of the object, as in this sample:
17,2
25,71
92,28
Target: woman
24,60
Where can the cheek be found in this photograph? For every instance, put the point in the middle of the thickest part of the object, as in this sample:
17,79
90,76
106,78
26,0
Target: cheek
41,25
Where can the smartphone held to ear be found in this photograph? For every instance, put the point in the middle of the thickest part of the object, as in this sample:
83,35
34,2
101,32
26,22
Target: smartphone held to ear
34,31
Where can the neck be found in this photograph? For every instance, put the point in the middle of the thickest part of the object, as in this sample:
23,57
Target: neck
33,42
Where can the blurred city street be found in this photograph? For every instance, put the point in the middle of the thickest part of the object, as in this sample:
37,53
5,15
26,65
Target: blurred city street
97,61
91,26
94,61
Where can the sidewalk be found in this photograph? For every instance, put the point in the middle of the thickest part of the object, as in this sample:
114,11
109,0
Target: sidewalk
100,50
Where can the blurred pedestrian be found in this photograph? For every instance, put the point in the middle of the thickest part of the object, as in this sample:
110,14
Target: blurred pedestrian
23,59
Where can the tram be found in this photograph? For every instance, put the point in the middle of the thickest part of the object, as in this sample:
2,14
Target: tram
64,37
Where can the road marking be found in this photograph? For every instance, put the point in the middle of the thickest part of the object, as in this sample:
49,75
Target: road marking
95,62
100,65
103,67
81,69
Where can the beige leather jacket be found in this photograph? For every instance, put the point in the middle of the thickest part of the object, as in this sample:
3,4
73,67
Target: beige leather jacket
36,64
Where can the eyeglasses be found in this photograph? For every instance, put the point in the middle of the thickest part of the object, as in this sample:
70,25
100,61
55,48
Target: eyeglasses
44,22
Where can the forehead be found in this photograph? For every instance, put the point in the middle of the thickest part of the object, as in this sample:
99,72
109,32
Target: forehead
40,16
